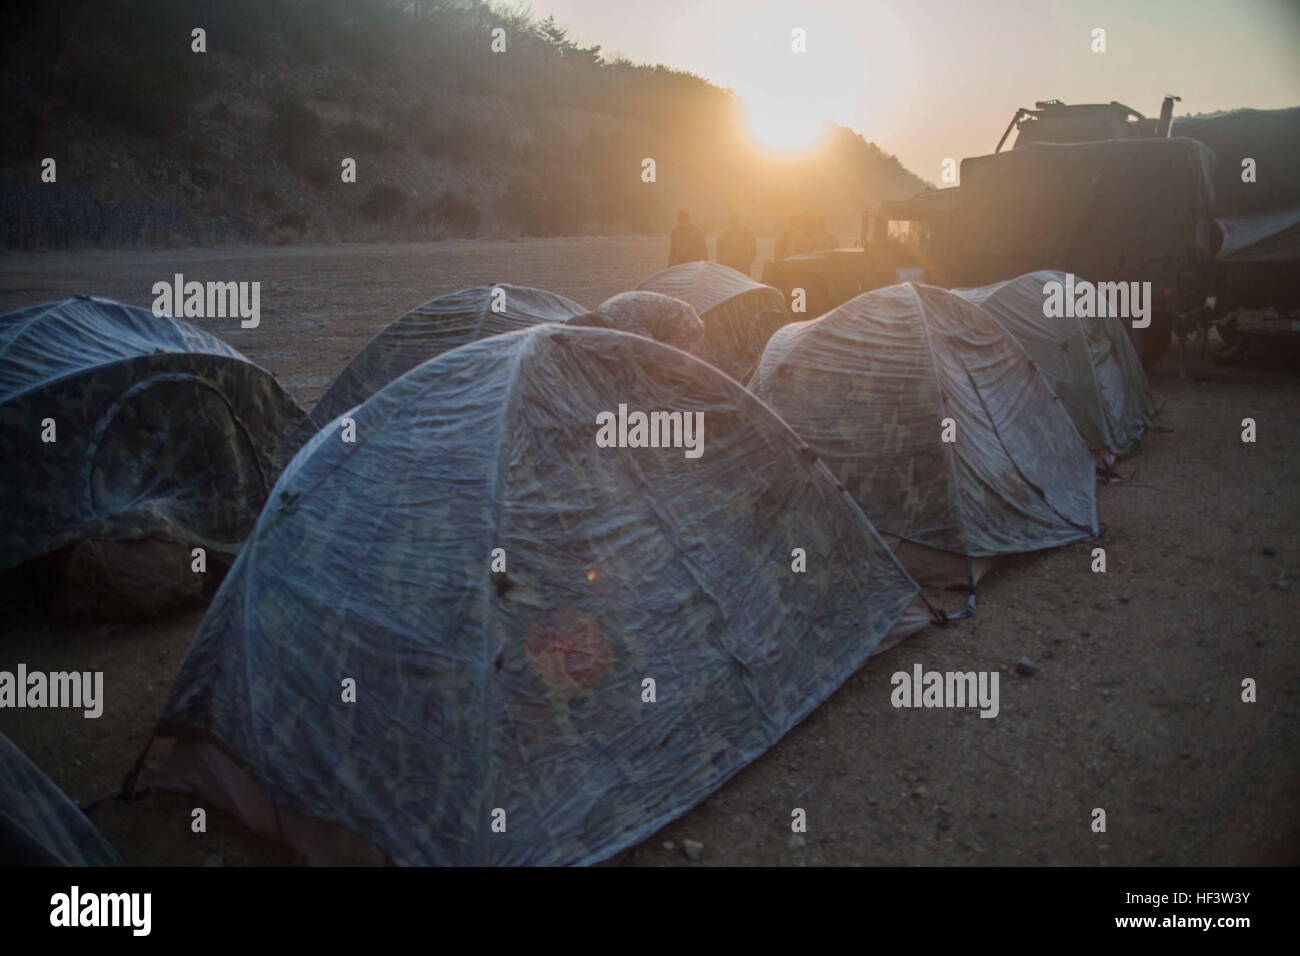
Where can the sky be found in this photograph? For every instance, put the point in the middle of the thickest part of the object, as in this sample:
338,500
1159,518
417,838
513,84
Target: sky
934,79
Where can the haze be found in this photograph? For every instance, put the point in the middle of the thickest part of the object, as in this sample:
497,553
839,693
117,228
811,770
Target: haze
931,79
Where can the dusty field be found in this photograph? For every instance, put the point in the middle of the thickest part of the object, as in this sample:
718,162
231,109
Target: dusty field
1135,707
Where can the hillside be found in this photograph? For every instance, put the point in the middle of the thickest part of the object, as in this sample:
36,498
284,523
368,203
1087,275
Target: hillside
157,143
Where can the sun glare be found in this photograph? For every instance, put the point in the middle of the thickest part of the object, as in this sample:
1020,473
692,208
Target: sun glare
782,127
795,70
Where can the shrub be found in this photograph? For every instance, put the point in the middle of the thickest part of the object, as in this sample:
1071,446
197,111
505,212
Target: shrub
295,129
293,121
293,221
319,172
383,202
149,95
460,140
454,212
557,208
358,133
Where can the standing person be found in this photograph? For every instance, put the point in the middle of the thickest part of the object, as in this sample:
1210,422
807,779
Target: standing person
736,246
795,240
819,236
688,243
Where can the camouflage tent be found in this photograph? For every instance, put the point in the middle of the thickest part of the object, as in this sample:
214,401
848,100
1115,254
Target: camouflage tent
433,328
647,630
878,384
655,316
739,314
117,425
1089,362
39,825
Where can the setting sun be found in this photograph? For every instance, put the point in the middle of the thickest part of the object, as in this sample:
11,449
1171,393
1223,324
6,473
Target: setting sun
782,126
795,71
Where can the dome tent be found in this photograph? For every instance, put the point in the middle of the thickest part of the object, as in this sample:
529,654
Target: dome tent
39,825
739,314
874,384
159,431
1089,362
437,326
524,690
650,314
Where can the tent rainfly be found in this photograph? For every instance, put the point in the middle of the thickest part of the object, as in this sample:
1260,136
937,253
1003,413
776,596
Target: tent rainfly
739,314
39,825
117,425
1089,362
650,314
937,423
502,627
439,325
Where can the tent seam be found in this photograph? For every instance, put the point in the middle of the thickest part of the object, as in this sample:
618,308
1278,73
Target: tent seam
948,452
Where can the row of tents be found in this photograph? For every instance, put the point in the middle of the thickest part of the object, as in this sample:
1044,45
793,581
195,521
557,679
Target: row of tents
551,648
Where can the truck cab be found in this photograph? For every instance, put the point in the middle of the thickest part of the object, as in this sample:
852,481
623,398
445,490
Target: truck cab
902,241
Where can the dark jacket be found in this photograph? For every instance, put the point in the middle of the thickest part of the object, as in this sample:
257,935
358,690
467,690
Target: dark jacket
688,245
737,248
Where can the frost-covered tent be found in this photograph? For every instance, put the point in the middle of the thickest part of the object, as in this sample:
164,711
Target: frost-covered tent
876,385
39,825
651,314
439,325
117,425
647,630
1090,362
739,314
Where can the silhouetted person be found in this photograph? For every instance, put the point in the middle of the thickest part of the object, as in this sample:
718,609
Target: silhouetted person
791,242
688,243
821,237
736,246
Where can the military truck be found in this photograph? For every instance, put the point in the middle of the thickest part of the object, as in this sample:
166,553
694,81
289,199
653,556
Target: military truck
1096,190
1052,121
1256,279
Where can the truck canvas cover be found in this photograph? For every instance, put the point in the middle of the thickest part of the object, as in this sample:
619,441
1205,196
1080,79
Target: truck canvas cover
1259,219
1118,209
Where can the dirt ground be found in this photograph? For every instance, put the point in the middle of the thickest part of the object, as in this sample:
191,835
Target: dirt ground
1135,706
